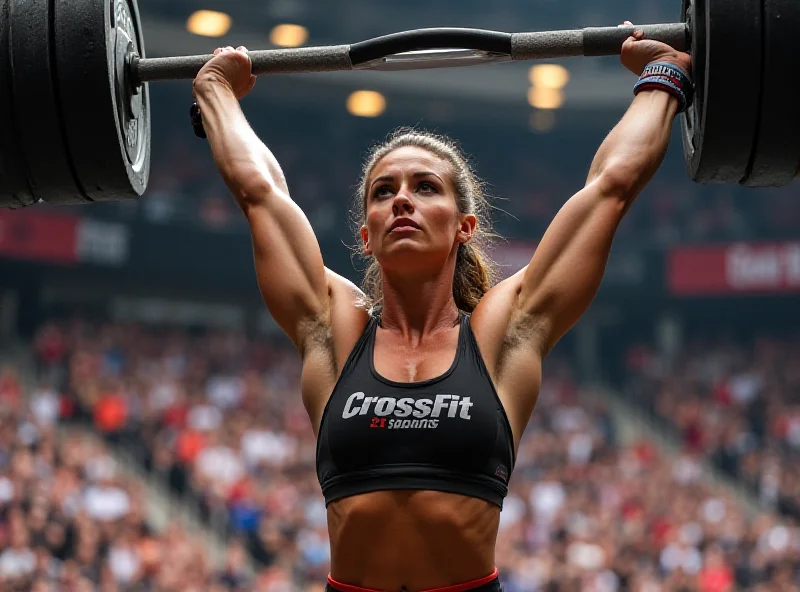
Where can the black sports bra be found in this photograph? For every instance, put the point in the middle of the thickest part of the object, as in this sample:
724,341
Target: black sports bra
448,434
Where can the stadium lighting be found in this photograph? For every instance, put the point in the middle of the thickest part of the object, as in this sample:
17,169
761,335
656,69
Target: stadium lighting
549,76
542,121
209,23
288,35
545,98
366,103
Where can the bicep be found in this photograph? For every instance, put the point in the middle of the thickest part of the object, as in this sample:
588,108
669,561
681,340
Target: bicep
289,267
567,268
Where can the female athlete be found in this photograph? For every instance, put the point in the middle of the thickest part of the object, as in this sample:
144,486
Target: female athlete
420,387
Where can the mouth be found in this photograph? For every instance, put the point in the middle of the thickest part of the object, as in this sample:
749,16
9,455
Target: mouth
404,225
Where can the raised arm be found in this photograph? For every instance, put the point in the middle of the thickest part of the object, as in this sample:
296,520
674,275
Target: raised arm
565,273
289,268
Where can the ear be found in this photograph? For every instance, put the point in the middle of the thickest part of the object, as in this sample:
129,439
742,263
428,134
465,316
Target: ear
365,241
467,228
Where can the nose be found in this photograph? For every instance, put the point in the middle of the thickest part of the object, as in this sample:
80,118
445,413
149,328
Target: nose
402,204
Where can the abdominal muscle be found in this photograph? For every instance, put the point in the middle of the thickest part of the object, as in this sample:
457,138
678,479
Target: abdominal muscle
388,540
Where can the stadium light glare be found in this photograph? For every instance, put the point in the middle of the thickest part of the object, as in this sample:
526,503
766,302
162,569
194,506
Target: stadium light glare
366,103
549,76
542,121
288,35
209,23
545,98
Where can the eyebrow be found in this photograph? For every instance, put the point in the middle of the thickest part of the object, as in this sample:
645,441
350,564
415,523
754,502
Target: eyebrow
415,175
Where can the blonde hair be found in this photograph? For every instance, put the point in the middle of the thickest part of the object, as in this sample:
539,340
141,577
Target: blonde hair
475,271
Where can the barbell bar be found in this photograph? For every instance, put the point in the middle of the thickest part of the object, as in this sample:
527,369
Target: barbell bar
410,50
75,106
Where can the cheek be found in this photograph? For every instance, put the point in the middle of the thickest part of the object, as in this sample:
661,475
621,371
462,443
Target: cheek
375,221
441,215
375,218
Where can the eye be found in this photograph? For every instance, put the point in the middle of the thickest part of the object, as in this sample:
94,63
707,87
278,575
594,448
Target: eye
382,191
427,187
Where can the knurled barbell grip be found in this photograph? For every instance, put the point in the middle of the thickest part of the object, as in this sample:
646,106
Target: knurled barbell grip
271,61
600,41
592,41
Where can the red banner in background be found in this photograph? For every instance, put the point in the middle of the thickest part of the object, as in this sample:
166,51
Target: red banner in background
63,239
735,269
38,236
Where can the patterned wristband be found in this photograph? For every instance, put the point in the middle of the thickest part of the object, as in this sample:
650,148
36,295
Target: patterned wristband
663,83
678,76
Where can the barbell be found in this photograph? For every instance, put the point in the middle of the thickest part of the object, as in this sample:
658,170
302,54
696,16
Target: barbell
75,107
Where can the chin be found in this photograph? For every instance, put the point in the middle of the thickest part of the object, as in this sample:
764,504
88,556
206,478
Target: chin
407,254
405,246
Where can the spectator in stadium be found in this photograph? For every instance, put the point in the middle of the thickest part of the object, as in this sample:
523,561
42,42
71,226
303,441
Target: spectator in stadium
734,401
581,508
68,519
417,506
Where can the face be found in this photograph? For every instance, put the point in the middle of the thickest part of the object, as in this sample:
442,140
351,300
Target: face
412,217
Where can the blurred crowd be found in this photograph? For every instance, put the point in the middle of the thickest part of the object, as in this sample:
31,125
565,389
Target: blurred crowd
69,519
736,402
218,416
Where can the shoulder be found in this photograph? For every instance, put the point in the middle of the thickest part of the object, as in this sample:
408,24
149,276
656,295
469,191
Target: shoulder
501,326
346,299
349,314
340,285
333,341
510,345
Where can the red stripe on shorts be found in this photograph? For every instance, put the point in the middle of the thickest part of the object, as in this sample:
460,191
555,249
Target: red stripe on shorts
457,588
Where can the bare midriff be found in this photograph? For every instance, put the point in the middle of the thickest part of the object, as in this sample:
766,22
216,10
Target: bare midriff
411,540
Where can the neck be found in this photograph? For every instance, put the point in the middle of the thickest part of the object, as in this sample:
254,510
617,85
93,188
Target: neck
415,307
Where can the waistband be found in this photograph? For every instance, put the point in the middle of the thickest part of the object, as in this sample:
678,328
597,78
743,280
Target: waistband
457,588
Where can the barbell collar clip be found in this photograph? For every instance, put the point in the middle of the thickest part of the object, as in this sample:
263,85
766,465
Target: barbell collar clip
133,71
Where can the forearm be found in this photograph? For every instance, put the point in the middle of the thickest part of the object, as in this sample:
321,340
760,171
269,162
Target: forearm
635,148
247,166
